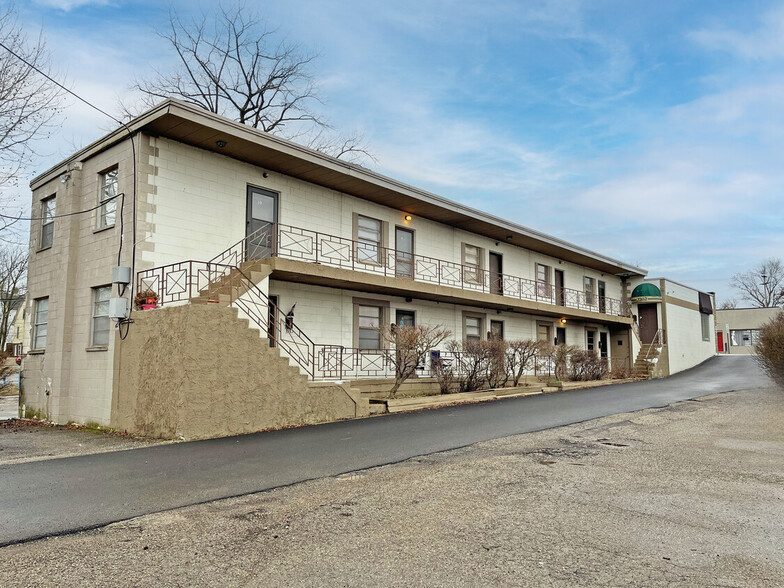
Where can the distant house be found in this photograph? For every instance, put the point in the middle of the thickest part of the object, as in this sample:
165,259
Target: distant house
15,332
737,329
312,253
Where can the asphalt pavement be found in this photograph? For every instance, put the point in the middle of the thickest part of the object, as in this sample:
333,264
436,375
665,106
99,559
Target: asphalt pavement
58,496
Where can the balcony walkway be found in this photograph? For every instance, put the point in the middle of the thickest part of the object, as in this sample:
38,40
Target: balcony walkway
295,243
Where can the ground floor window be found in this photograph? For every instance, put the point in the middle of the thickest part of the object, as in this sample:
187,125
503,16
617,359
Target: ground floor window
101,322
40,323
743,337
590,340
705,326
543,332
473,328
369,325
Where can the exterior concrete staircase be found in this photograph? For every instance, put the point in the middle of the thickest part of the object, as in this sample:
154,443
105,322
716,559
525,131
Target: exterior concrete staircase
229,287
646,361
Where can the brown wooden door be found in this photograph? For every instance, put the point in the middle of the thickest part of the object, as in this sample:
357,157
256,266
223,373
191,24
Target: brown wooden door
649,322
496,274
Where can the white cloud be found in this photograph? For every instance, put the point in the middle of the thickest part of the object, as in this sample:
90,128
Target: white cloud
764,43
68,5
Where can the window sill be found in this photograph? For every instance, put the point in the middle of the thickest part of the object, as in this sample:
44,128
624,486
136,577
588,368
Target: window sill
97,348
43,249
102,229
36,352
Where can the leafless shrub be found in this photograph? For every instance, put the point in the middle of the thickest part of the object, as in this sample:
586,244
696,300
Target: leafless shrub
586,365
619,373
406,348
770,349
496,374
520,357
560,355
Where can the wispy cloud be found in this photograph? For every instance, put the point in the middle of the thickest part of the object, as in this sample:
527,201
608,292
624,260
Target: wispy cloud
68,5
765,42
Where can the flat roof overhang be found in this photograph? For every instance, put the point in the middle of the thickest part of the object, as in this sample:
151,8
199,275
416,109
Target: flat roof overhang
194,126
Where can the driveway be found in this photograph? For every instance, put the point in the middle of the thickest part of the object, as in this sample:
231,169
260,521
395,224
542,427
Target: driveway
64,495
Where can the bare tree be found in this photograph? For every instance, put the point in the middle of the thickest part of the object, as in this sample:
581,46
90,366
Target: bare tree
13,270
520,355
407,347
763,285
29,103
730,304
232,63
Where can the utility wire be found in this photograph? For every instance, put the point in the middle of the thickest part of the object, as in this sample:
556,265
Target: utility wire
41,218
133,150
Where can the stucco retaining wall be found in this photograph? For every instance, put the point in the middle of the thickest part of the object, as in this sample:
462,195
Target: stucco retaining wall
197,371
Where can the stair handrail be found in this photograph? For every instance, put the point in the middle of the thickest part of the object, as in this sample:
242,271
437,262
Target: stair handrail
658,341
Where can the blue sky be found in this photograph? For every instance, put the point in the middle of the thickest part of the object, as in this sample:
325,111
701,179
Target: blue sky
650,132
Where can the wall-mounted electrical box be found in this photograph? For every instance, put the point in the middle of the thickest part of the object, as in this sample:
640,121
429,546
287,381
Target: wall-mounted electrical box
118,308
121,275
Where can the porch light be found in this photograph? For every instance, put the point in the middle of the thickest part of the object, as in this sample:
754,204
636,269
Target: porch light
407,217
563,321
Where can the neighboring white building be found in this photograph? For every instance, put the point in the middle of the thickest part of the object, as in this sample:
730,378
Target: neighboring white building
737,329
227,213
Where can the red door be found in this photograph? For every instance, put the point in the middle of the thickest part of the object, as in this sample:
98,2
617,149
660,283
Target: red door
720,341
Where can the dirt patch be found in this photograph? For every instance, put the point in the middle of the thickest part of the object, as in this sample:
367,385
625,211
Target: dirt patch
24,440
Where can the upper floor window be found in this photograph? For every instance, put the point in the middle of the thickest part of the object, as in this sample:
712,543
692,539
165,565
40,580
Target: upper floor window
40,322
369,239
101,323
106,192
542,280
589,290
47,222
472,264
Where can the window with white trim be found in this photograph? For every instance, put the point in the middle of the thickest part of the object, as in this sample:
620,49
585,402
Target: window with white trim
542,280
369,336
472,264
369,239
101,324
473,328
705,324
47,222
107,190
589,289
40,323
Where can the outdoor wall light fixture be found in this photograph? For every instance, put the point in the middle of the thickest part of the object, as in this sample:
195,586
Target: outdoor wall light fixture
407,217
221,143
563,321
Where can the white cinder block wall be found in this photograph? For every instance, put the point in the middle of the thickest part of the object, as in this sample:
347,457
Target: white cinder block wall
684,329
200,209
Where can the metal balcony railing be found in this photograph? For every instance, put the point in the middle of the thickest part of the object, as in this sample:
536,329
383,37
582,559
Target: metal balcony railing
279,240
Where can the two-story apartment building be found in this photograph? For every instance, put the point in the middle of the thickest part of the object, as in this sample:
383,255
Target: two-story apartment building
212,211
